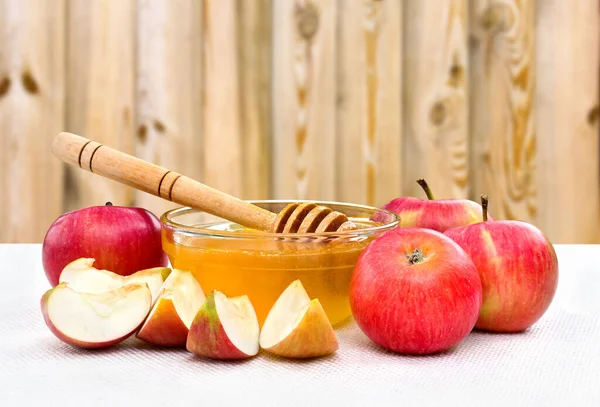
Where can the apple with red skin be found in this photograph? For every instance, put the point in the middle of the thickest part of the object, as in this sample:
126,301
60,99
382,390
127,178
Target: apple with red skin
415,291
224,328
121,239
518,269
436,214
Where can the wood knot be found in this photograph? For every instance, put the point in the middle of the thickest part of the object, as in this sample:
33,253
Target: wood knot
29,83
474,42
4,86
126,115
437,115
456,75
142,133
308,21
592,116
493,18
159,126
486,157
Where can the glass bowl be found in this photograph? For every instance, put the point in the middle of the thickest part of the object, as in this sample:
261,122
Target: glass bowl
237,261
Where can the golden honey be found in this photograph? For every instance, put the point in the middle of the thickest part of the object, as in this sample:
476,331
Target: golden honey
237,261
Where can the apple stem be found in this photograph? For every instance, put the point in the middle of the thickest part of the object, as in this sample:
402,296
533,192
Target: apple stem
108,204
415,257
426,188
484,206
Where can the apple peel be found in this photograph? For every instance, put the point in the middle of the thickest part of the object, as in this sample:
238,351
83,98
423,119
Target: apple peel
298,327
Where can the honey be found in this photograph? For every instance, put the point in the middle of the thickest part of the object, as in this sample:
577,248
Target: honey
238,261
264,268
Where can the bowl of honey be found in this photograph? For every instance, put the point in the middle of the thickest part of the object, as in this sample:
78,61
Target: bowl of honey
227,257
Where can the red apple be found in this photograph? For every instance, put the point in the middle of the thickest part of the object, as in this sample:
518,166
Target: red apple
440,214
518,269
121,239
415,291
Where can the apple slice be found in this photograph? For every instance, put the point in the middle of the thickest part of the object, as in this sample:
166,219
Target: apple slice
95,320
168,324
297,327
224,328
81,276
154,277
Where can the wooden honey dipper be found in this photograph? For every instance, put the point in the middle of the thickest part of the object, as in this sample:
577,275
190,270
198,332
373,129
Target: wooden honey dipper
153,179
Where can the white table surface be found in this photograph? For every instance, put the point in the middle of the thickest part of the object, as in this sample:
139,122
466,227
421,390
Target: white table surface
555,363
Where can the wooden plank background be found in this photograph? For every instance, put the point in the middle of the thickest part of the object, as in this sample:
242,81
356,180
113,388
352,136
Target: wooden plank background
100,91
315,99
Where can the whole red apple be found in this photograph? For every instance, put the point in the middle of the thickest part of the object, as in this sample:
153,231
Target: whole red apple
518,269
436,214
121,239
415,291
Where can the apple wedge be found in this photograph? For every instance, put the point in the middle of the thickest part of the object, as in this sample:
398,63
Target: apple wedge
168,324
297,327
81,276
95,320
224,328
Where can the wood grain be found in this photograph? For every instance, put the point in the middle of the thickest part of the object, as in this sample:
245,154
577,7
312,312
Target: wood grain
169,90
435,99
32,74
567,120
502,123
304,155
255,45
100,91
369,101
314,99
221,105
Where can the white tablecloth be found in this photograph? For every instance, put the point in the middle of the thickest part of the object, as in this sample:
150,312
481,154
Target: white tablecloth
555,363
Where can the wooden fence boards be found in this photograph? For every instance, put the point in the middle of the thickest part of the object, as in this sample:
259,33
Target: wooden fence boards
369,102
32,107
169,90
503,135
307,99
100,91
304,92
435,102
255,47
567,120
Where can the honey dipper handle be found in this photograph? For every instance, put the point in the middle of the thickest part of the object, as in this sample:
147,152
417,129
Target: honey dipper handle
153,179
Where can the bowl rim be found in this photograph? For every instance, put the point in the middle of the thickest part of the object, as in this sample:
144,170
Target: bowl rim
167,221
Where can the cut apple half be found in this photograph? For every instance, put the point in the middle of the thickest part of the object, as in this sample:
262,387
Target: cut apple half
298,327
81,276
95,320
179,299
224,328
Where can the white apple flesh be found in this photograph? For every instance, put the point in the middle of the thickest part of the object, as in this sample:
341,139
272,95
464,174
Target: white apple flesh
179,299
100,320
224,328
297,327
81,276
